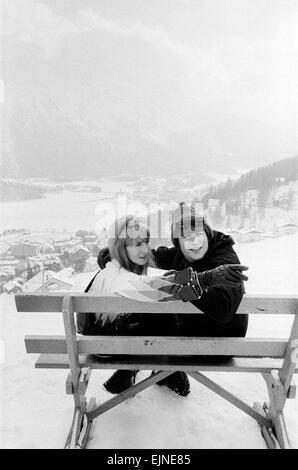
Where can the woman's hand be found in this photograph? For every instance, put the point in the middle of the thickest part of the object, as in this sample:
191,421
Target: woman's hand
170,273
103,257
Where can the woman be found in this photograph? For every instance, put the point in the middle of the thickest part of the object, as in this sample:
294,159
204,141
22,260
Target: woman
127,273
130,272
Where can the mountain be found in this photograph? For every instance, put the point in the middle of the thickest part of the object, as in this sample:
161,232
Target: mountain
51,132
88,92
46,141
260,197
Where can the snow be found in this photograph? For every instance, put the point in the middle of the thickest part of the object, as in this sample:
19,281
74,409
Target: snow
36,412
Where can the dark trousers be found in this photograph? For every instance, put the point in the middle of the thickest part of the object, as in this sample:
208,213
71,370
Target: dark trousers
171,325
202,325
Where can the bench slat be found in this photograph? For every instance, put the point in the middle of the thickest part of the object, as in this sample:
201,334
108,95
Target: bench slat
89,303
59,361
150,345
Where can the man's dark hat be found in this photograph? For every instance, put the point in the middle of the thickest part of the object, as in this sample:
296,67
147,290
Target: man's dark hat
186,218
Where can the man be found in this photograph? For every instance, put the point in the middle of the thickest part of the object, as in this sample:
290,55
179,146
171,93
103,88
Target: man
215,287
197,246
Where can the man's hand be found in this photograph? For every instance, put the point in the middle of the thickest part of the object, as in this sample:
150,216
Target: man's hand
227,275
188,285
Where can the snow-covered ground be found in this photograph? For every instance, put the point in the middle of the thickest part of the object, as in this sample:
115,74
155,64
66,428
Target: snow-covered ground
36,412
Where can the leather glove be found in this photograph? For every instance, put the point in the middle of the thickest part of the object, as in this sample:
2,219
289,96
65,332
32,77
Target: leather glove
189,285
227,275
103,257
184,285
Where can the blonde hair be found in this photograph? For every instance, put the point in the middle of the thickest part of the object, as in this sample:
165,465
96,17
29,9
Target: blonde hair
120,236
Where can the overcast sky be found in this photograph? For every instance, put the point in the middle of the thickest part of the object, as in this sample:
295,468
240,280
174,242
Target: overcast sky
224,70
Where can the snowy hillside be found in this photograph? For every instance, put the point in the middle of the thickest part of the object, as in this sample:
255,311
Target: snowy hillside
36,412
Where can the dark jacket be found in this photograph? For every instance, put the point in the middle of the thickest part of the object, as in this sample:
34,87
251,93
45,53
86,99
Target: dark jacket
219,303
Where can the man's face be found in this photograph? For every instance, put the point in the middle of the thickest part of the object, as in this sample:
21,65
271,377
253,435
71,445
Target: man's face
194,245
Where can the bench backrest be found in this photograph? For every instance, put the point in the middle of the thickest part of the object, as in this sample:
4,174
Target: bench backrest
81,303
141,345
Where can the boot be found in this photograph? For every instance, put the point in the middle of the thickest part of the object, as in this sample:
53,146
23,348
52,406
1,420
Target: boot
178,382
120,381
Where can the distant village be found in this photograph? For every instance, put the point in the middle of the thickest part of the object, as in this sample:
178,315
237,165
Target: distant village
46,262
259,205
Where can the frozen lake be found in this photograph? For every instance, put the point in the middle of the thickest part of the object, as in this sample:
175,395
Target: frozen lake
70,210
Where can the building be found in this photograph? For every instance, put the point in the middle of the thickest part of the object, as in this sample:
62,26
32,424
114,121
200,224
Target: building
35,265
53,263
10,271
12,287
67,245
90,238
213,205
47,248
47,281
79,252
4,249
55,284
251,235
15,267
4,276
24,249
79,256
37,281
287,228
93,248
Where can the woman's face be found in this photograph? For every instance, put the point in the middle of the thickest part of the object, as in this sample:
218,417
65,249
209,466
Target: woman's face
137,246
137,251
194,245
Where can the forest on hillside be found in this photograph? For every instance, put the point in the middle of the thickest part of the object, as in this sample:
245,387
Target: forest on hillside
17,191
264,179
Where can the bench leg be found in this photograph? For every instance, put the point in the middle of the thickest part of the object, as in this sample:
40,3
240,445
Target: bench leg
267,433
80,427
277,399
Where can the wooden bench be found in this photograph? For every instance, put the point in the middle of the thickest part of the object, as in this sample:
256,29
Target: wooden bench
275,359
